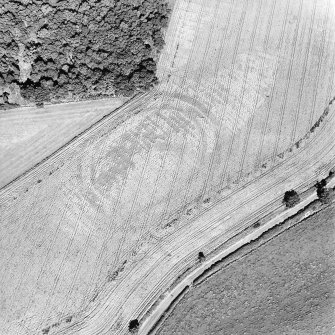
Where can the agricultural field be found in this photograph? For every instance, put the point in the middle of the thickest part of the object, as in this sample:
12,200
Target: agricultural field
94,236
28,135
285,286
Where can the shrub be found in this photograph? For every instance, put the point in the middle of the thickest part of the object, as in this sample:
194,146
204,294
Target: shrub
257,224
201,256
5,97
291,198
133,326
324,194
46,330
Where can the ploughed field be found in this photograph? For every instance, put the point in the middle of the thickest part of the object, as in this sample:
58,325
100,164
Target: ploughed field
285,286
87,238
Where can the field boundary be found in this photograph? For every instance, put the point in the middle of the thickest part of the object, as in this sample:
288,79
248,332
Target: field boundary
147,315
250,177
214,265
93,127
314,207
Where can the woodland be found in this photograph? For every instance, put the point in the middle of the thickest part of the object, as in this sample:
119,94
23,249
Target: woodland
57,49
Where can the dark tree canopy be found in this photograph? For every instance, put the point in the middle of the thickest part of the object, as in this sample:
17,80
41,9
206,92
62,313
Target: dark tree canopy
80,48
201,256
133,326
324,194
291,198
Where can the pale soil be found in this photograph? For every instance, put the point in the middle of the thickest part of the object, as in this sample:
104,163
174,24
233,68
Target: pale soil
285,286
95,225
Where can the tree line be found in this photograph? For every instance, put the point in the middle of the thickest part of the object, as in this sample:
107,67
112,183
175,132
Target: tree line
54,49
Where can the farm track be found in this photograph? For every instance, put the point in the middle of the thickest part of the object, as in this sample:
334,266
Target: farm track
183,241
238,38
286,90
150,325
251,120
68,147
164,98
178,166
304,75
222,44
102,250
197,186
266,207
258,237
328,10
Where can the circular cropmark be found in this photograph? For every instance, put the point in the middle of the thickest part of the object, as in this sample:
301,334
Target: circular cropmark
201,113
168,118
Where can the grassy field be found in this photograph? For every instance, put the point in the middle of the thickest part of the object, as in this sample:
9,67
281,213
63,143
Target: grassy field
285,286
97,233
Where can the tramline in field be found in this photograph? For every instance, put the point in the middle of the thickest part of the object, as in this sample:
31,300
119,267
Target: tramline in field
127,205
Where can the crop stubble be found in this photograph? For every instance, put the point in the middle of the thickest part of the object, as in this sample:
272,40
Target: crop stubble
219,112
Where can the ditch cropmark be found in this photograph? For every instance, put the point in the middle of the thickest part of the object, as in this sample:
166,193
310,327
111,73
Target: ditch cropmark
165,119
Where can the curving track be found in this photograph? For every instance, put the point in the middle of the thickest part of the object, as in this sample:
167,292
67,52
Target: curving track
214,226
108,222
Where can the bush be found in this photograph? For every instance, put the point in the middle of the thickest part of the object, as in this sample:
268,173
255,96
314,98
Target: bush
91,48
201,256
257,224
291,198
324,194
133,326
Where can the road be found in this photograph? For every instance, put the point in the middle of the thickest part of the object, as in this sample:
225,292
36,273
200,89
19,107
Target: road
202,71
226,217
216,223
169,297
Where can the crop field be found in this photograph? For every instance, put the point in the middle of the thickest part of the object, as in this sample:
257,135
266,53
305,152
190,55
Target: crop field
28,135
285,286
94,235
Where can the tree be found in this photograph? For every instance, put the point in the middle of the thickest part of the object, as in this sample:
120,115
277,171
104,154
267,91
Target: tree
133,326
201,256
5,97
81,48
257,224
291,198
324,194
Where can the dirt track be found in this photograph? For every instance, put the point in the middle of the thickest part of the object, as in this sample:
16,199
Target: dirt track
246,238
184,243
281,284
